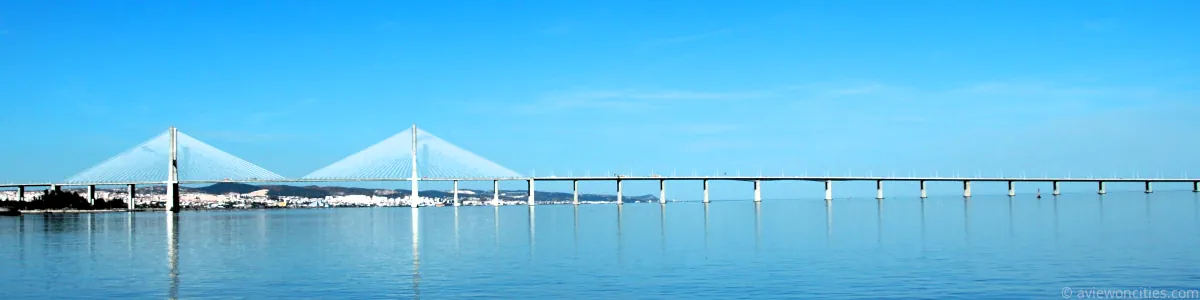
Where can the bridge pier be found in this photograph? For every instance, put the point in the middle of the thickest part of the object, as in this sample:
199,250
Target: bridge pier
662,192
55,188
173,173
1196,186
706,191
828,190
575,192
757,191
1149,189
173,204
879,189
416,198
131,190
1101,191
531,202
1056,189
1011,191
91,194
456,202
496,192
966,188
923,194
20,193
619,190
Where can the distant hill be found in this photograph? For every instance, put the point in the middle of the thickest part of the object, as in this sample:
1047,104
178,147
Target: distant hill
314,191
311,191
226,188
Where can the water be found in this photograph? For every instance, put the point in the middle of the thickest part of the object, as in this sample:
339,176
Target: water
989,246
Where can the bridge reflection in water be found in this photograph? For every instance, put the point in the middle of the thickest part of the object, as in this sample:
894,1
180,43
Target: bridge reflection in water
359,252
173,254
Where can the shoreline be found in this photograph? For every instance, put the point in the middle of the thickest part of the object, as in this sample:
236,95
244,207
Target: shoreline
86,211
79,211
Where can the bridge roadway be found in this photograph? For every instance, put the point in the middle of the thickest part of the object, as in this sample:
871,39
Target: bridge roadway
623,178
757,180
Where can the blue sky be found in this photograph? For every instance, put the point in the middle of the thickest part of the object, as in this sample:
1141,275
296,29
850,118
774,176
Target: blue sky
1088,87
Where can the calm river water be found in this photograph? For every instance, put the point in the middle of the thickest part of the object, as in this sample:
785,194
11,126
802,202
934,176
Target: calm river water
988,246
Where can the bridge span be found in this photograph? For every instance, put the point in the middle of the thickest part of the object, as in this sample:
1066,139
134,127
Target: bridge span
618,180
158,162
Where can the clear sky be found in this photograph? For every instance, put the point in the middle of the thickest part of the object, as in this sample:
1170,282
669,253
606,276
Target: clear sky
1088,87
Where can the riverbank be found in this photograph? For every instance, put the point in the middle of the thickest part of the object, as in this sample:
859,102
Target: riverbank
79,211
159,209
87,211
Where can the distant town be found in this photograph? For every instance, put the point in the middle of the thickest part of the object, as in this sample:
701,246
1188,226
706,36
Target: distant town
245,196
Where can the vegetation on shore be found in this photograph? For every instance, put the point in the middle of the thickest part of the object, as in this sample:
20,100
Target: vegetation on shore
63,200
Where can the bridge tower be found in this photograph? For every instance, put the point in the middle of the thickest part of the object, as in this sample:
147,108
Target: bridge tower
413,201
173,172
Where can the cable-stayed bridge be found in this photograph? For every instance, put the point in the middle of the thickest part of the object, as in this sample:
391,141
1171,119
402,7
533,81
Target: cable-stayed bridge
173,158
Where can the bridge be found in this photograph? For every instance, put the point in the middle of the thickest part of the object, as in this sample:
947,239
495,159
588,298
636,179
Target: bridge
174,158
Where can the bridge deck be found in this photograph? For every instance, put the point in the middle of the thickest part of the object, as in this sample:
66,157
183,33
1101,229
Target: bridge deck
627,178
